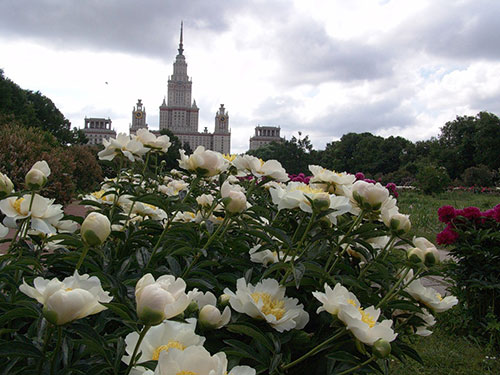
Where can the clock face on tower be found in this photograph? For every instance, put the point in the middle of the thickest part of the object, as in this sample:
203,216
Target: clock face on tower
138,115
222,119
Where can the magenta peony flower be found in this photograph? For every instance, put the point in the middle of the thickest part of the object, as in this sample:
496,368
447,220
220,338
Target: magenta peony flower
471,213
447,214
360,176
447,236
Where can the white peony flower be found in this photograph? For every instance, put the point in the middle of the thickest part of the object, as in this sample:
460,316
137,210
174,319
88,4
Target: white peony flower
37,175
148,139
161,338
44,214
209,315
205,200
194,360
234,198
363,323
6,185
95,229
204,162
367,195
267,256
332,299
122,145
74,298
161,299
330,181
429,321
267,301
397,222
242,370
429,296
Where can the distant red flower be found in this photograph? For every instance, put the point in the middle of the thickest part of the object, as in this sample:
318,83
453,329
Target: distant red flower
471,213
447,214
447,236
359,176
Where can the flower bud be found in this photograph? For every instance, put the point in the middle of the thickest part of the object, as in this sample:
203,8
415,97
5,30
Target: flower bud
321,201
162,299
369,196
224,300
35,179
211,318
431,256
416,255
6,185
95,229
381,348
400,223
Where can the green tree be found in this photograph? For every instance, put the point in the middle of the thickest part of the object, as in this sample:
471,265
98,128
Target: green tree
172,155
32,109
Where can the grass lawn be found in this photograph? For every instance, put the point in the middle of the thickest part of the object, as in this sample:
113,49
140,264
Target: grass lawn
446,354
423,208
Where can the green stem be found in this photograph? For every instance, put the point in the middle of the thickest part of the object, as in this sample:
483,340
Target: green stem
383,251
145,329
82,256
48,335
353,226
28,219
369,360
316,349
56,351
212,237
394,287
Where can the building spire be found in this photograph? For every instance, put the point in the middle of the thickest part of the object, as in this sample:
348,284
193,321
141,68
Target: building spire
181,49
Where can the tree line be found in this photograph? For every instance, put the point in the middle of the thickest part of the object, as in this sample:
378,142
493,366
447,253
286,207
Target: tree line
467,151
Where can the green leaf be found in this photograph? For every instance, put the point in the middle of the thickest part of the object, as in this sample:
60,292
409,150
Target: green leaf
251,331
19,349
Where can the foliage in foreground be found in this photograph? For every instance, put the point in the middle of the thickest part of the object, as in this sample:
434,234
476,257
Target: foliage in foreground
229,266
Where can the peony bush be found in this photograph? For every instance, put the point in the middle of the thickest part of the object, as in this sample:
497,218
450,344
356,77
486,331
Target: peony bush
222,266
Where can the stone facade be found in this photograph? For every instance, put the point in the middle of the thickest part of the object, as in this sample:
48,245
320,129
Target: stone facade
265,135
97,129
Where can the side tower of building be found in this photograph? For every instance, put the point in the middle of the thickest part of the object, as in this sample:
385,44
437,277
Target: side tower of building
138,117
222,133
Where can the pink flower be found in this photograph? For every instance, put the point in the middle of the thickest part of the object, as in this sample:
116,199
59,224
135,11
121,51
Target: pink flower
471,213
447,236
360,176
446,214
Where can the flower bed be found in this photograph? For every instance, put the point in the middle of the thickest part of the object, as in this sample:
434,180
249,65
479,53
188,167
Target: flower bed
208,271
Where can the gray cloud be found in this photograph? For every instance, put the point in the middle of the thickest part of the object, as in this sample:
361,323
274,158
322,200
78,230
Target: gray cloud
146,28
451,29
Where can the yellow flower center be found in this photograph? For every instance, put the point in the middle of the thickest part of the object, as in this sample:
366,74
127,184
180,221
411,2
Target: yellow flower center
272,306
186,373
171,344
68,289
352,302
17,204
307,189
367,318
229,157
439,297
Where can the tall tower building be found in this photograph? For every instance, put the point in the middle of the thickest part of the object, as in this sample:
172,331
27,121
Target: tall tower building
179,112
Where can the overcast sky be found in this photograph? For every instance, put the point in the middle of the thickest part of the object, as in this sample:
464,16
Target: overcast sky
323,67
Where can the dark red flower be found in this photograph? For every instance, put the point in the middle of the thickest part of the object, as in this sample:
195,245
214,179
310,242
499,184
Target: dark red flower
447,214
447,237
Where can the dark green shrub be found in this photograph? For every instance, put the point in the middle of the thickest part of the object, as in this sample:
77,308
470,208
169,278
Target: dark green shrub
432,179
87,172
479,175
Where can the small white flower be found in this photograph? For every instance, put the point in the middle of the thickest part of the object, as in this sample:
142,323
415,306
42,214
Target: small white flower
148,139
266,300
122,145
95,229
235,197
37,175
6,185
429,321
429,296
205,162
330,181
267,256
332,299
161,338
205,200
367,195
74,298
161,299
363,323
194,360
